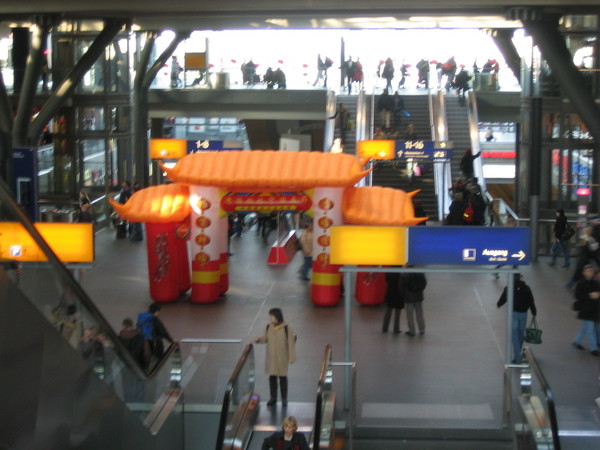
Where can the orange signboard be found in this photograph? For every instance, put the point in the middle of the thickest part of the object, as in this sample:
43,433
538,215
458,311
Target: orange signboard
377,149
71,242
168,148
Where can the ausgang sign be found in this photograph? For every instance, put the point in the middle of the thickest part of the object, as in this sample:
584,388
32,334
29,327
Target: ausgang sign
468,245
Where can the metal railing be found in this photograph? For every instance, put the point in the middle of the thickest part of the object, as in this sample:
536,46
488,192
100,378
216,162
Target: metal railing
322,427
240,404
529,405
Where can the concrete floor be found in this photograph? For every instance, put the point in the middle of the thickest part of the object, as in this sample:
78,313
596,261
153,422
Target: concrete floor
451,377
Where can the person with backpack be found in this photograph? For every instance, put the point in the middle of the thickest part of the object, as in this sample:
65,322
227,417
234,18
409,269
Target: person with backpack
153,330
561,237
281,352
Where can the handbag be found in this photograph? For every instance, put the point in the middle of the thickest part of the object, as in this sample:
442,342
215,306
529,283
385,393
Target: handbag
533,335
568,233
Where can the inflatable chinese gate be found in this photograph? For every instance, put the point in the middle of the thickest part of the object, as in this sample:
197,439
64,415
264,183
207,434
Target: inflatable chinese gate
206,186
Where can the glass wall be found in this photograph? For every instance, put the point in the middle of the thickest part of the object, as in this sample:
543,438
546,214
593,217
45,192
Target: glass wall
92,137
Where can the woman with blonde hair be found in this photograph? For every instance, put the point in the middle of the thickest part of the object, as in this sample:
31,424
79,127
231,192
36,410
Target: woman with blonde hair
287,438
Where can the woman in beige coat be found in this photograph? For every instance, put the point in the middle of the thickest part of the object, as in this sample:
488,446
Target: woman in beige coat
281,352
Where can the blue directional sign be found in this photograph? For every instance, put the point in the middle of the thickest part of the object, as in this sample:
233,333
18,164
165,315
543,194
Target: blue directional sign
468,245
207,145
424,150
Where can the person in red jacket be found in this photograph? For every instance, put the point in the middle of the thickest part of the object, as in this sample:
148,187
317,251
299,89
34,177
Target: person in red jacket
288,438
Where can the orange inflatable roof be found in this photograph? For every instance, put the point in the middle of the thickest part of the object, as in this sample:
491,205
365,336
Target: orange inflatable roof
379,206
156,204
267,169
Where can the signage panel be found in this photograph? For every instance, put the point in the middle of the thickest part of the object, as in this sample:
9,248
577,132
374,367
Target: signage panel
71,242
368,245
424,150
468,245
25,177
207,145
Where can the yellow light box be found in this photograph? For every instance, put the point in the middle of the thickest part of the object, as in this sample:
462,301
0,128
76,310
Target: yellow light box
168,148
195,61
377,149
72,242
368,245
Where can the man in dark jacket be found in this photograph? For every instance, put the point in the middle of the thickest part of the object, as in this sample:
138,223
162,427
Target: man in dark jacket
394,301
414,284
587,293
385,106
135,343
522,302
160,332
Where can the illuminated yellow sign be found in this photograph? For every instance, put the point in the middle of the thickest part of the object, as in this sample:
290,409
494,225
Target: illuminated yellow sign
71,242
368,245
377,149
195,61
168,148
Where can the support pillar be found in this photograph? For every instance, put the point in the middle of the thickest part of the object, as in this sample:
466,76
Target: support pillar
62,93
168,269
206,248
545,33
141,85
326,277
503,40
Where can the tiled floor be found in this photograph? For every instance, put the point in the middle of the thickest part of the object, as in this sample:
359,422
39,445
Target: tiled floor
449,377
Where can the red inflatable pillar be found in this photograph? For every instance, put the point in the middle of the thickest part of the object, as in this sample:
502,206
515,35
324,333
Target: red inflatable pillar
224,256
206,258
182,234
326,278
370,288
163,270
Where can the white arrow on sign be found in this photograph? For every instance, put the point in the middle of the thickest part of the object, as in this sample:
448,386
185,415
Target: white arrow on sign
519,255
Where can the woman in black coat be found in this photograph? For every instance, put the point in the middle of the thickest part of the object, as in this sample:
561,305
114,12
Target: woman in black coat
560,242
394,301
286,439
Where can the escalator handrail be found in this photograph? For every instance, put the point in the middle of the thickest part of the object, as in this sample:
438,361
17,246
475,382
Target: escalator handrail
321,390
228,390
66,277
549,396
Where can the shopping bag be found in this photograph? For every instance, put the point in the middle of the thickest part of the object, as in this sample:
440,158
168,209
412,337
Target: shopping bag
533,335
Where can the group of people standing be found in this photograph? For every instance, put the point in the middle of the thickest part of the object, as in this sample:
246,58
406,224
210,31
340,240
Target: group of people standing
132,229
405,291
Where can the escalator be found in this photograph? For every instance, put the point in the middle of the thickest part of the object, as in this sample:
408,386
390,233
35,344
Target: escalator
89,393
243,425
394,174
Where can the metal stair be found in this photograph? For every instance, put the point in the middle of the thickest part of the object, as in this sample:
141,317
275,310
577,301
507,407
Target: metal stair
349,139
458,132
393,173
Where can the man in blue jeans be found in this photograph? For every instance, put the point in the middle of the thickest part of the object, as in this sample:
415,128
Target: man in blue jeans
559,229
587,293
522,302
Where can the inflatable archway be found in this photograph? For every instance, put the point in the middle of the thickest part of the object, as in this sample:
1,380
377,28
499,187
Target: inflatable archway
203,181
